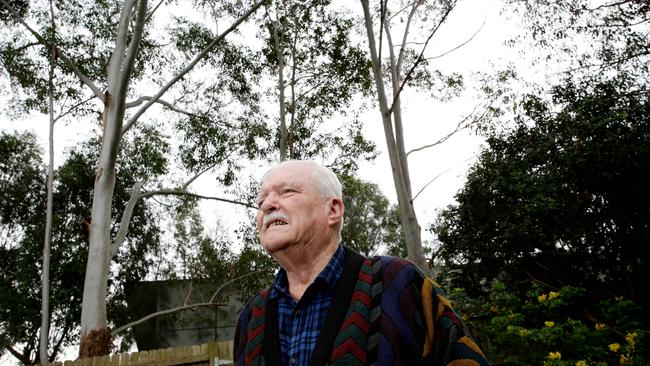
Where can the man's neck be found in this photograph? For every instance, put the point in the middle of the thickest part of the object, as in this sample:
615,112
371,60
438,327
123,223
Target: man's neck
304,263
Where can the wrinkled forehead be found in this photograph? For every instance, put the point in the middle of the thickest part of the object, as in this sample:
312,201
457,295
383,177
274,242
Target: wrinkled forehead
288,173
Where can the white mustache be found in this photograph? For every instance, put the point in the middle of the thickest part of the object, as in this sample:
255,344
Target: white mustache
274,216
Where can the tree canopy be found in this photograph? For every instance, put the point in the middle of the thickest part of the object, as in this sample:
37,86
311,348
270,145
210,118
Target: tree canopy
22,197
560,199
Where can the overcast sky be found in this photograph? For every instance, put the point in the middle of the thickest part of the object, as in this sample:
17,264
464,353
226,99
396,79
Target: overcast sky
425,120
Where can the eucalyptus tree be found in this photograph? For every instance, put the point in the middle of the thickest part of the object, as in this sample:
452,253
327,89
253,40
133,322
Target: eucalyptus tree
403,30
318,70
23,196
109,54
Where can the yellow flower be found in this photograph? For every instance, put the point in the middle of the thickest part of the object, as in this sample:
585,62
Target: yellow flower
599,326
614,347
553,295
624,359
541,298
549,324
494,308
524,332
630,338
581,363
554,356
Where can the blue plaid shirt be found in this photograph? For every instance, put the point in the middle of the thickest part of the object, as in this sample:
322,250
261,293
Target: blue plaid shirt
300,322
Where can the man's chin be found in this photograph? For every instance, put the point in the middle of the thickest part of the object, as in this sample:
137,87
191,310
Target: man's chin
273,248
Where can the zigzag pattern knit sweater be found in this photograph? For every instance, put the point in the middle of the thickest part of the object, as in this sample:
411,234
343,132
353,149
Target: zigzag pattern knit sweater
385,312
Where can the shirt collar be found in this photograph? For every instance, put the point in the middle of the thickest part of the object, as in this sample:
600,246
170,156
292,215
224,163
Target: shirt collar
329,276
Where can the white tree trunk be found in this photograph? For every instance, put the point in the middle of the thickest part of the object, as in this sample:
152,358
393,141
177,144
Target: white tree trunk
396,153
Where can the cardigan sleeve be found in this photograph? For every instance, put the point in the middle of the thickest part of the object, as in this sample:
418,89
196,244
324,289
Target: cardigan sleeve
447,339
240,336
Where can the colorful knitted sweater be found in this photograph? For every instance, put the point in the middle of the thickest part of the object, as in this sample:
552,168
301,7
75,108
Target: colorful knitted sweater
384,312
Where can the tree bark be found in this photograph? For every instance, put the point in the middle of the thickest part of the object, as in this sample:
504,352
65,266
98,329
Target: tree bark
94,341
396,153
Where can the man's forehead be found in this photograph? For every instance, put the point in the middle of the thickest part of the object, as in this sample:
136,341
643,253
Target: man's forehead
285,176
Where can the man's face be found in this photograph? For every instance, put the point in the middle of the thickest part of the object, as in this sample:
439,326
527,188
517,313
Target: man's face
291,209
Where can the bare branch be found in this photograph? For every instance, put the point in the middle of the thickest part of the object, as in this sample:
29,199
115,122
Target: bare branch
419,59
189,66
233,280
189,293
179,308
153,11
73,108
439,175
134,44
18,355
115,65
400,57
169,105
178,192
196,176
126,218
460,45
460,126
84,79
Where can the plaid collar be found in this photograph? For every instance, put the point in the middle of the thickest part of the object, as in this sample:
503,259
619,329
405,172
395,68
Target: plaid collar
328,276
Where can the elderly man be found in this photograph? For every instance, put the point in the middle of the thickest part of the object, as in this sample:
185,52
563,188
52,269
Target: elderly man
328,304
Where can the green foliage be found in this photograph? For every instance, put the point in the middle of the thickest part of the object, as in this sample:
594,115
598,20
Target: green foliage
323,71
370,223
19,6
22,202
562,198
210,256
552,328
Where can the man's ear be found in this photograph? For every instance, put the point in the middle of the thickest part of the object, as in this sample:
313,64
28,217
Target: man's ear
336,211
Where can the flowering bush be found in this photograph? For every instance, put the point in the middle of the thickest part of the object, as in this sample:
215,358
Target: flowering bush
555,328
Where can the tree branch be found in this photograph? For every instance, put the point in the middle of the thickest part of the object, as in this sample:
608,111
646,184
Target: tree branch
189,66
153,11
178,192
169,105
460,126
126,218
179,308
84,79
419,59
460,45
134,44
18,355
438,176
72,108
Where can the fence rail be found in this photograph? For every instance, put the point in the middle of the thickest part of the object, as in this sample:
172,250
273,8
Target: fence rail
207,354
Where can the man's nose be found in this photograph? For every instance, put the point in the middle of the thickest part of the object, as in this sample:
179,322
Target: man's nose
270,203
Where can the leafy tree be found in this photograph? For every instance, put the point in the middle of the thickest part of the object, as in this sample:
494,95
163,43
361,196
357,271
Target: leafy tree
370,224
112,48
561,199
22,179
318,68
596,37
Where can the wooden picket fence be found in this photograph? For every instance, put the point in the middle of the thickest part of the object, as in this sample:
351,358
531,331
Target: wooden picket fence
207,354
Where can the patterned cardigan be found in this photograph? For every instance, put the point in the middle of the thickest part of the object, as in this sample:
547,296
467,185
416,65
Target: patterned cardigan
384,312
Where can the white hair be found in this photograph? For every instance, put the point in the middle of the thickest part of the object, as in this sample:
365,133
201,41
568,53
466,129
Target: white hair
327,182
